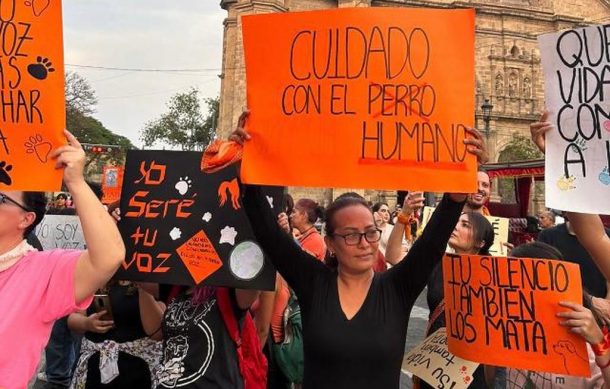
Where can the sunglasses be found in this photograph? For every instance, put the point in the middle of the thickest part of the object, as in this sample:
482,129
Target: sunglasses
4,199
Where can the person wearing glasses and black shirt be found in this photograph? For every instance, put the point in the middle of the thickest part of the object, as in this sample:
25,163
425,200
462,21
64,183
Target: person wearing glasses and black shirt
38,287
354,320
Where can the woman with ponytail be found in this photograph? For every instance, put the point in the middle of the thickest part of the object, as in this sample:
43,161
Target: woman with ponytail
303,217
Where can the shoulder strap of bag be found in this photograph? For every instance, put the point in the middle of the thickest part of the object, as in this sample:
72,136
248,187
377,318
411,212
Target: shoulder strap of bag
439,310
228,316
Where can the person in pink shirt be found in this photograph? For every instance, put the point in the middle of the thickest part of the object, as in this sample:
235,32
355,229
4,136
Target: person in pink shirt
36,288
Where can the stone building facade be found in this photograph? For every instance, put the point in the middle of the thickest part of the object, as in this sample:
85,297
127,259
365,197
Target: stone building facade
508,69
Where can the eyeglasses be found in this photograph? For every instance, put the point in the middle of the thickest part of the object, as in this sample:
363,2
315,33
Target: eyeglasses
355,238
4,199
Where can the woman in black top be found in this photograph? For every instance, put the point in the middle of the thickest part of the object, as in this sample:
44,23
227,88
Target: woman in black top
354,321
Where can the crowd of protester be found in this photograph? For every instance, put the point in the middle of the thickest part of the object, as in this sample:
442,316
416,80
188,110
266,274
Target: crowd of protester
338,317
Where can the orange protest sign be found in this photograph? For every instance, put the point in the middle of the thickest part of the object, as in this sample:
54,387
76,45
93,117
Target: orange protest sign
112,181
501,312
32,111
360,98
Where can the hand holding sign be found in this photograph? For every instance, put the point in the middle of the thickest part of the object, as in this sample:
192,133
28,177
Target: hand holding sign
72,158
414,201
580,321
239,135
539,129
476,146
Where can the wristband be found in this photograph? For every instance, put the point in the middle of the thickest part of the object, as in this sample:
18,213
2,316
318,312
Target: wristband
404,219
603,347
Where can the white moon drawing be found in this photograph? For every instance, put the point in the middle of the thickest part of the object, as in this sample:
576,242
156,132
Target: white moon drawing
246,260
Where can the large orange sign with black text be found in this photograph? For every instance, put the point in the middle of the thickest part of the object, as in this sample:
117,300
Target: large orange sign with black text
32,111
360,98
502,312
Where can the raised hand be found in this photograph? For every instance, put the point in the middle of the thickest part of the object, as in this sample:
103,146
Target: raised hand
476,146
71,157
282,221
240,135
413,202
539,129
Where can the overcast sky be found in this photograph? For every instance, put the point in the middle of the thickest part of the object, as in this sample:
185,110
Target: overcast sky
138,34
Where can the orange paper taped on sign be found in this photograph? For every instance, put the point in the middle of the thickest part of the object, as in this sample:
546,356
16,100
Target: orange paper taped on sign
32,111
501,312
112,182
360,98
199,256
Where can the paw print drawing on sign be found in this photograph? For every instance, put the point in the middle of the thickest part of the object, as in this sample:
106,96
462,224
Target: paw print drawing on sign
604,176
183,185
175,233
40,147
207,217
227,235
5,178
41,69
38,6
566,183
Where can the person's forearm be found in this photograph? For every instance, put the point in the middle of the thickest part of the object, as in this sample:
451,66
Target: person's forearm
105,248
262,319
591,234
413,271
77,322
151,315
104,243
393,251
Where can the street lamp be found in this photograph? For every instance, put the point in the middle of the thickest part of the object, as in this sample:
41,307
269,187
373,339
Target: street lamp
487,107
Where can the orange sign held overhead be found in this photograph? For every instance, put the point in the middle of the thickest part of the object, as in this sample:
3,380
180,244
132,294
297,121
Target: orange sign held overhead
368,98
502,312
32,111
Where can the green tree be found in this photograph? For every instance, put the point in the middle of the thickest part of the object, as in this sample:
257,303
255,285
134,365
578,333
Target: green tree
80,105
183,125
520,148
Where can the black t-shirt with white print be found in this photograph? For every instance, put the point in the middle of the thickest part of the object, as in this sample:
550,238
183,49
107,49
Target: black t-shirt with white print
197,349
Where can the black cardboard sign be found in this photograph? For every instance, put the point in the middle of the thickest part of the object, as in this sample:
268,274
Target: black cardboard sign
183,226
